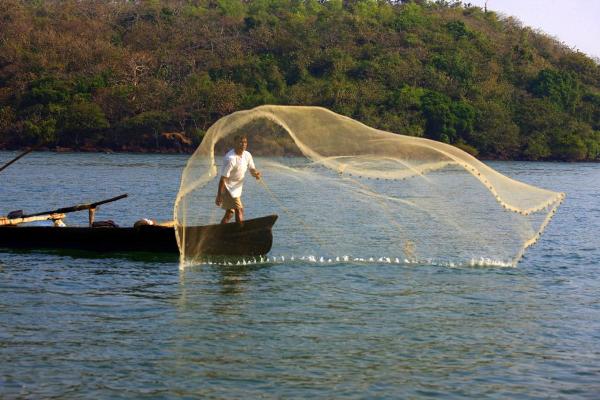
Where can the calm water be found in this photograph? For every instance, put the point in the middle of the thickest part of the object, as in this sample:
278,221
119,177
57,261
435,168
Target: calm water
77,327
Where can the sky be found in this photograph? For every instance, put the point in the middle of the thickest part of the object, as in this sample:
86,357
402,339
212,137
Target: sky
576,23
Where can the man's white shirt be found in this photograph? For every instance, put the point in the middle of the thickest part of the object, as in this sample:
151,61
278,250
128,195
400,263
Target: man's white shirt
234,170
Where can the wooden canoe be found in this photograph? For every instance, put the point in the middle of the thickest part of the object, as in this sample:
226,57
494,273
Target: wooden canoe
253,237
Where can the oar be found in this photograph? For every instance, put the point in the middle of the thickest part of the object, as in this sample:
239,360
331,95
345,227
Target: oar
16,158
78,207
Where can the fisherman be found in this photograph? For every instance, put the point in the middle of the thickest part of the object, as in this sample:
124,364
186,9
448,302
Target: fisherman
235,164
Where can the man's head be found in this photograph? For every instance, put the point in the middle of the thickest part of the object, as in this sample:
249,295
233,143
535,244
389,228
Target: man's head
241,143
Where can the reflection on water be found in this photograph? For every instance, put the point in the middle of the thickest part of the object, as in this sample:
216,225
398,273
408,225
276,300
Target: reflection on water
74,327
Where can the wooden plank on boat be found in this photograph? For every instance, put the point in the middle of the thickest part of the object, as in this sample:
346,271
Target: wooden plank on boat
22,220
78,207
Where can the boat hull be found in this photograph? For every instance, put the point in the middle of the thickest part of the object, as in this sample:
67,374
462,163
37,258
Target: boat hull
251,238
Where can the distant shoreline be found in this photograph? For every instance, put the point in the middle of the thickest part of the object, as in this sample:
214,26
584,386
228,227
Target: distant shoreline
134,150
105,150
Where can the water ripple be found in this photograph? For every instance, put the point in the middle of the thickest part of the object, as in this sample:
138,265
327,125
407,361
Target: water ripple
84,327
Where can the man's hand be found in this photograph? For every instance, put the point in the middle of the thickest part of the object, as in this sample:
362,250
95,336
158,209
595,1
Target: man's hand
219,198
255,173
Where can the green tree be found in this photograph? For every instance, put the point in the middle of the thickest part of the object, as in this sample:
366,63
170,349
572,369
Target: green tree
439,116
7,119
575,141
38,131
142,124
559,87
46,91
540,122
495,134
459,30
447,120
82,120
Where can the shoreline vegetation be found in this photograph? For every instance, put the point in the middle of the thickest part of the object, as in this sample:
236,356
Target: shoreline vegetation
153,76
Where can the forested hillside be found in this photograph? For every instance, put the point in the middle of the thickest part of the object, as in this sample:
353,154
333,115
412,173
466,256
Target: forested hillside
88,74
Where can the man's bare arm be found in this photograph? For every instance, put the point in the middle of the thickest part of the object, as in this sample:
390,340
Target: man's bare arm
219,199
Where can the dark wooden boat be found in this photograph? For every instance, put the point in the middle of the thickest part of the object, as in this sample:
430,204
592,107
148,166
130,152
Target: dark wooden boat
253,237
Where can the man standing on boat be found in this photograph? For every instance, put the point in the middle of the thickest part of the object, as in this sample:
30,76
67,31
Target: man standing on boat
235,164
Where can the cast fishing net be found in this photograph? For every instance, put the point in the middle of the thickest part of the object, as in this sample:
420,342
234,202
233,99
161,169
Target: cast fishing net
345,191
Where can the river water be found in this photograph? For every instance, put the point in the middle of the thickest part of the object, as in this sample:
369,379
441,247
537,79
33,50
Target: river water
89,327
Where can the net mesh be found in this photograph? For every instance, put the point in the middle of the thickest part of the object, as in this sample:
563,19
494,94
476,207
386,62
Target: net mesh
344,190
